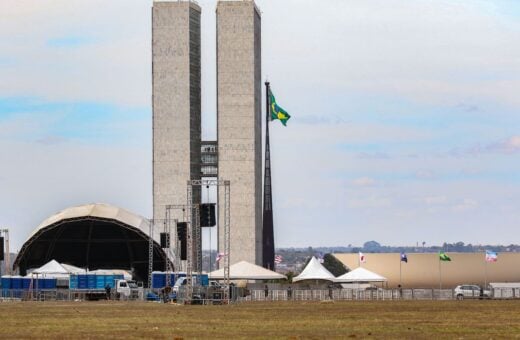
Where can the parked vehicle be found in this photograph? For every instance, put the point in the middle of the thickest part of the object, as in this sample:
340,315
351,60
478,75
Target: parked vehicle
471,292
97,287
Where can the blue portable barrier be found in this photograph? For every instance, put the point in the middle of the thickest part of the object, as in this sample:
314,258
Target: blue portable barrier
82,281
109,280
100,281
38,283
49,283
6,282
158,280
26,282
91,281
203,279
73,282
16,282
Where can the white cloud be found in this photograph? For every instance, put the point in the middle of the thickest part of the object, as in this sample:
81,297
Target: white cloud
436,200
466,205
364,182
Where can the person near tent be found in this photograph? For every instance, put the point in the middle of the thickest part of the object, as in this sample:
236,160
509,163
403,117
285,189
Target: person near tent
266,292
289,293
108,289
330,291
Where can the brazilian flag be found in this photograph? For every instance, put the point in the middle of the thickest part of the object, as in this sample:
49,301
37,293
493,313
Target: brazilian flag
443,256
277,112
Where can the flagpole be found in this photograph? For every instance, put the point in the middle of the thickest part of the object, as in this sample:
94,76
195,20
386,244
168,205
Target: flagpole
400,275
440,276
485,272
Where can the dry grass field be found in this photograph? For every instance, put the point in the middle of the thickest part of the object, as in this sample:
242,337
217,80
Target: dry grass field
349,319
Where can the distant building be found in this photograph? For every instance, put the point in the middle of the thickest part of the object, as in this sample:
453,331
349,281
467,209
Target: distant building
239,113
422,269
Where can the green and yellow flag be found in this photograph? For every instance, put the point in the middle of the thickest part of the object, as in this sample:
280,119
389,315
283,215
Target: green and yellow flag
277,112
443,256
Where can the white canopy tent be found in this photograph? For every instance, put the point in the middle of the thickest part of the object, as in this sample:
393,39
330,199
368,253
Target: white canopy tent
52,269
360,275
314,271
246,271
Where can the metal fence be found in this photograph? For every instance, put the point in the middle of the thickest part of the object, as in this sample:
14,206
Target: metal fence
211,295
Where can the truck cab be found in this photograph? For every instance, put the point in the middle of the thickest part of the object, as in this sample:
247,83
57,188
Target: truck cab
127,289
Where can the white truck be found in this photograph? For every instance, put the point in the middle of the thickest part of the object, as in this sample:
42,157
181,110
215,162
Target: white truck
123,290
127,290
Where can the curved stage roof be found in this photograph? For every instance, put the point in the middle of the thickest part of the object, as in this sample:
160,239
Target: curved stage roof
93,236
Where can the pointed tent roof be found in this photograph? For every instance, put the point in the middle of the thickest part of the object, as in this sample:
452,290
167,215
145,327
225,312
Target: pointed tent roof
314,271
51,267
246,271
360,274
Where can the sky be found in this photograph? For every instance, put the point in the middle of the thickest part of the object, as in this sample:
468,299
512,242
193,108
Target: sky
405,115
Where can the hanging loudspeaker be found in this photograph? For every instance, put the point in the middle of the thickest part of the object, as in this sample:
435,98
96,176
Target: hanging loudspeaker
165,240
207,215
182,233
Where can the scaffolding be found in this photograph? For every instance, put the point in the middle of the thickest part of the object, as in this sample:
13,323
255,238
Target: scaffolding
173,261
194,233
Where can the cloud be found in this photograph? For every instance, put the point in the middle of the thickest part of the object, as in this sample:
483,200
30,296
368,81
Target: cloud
507,146
364,182
425,174
466,205
435,200
51,140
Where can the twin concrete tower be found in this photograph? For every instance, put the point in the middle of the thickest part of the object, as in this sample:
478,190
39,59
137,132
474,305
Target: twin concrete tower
237,155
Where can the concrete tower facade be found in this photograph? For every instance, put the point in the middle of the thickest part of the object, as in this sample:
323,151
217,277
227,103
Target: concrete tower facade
176,72
239,111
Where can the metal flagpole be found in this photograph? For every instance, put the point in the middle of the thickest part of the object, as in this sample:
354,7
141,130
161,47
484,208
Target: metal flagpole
400,275
485,272
267,216
440,275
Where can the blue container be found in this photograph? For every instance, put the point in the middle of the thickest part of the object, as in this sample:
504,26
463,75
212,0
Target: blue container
16,282
109,280
158,280
73,282
38,283
6,282
91,281
82,281
100,281
26,282
49,283
203,279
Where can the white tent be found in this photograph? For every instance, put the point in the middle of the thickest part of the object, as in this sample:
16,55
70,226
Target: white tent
246,271
73,269
360,274
52,269
314,271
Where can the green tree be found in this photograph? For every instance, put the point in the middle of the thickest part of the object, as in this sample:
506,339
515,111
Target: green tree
333,265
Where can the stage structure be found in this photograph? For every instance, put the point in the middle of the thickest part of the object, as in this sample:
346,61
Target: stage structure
95,236
194,229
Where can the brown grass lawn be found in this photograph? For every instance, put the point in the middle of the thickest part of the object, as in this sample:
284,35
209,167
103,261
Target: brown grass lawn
349,319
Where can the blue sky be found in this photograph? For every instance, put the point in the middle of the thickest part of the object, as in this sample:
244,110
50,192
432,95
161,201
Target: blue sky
405,124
